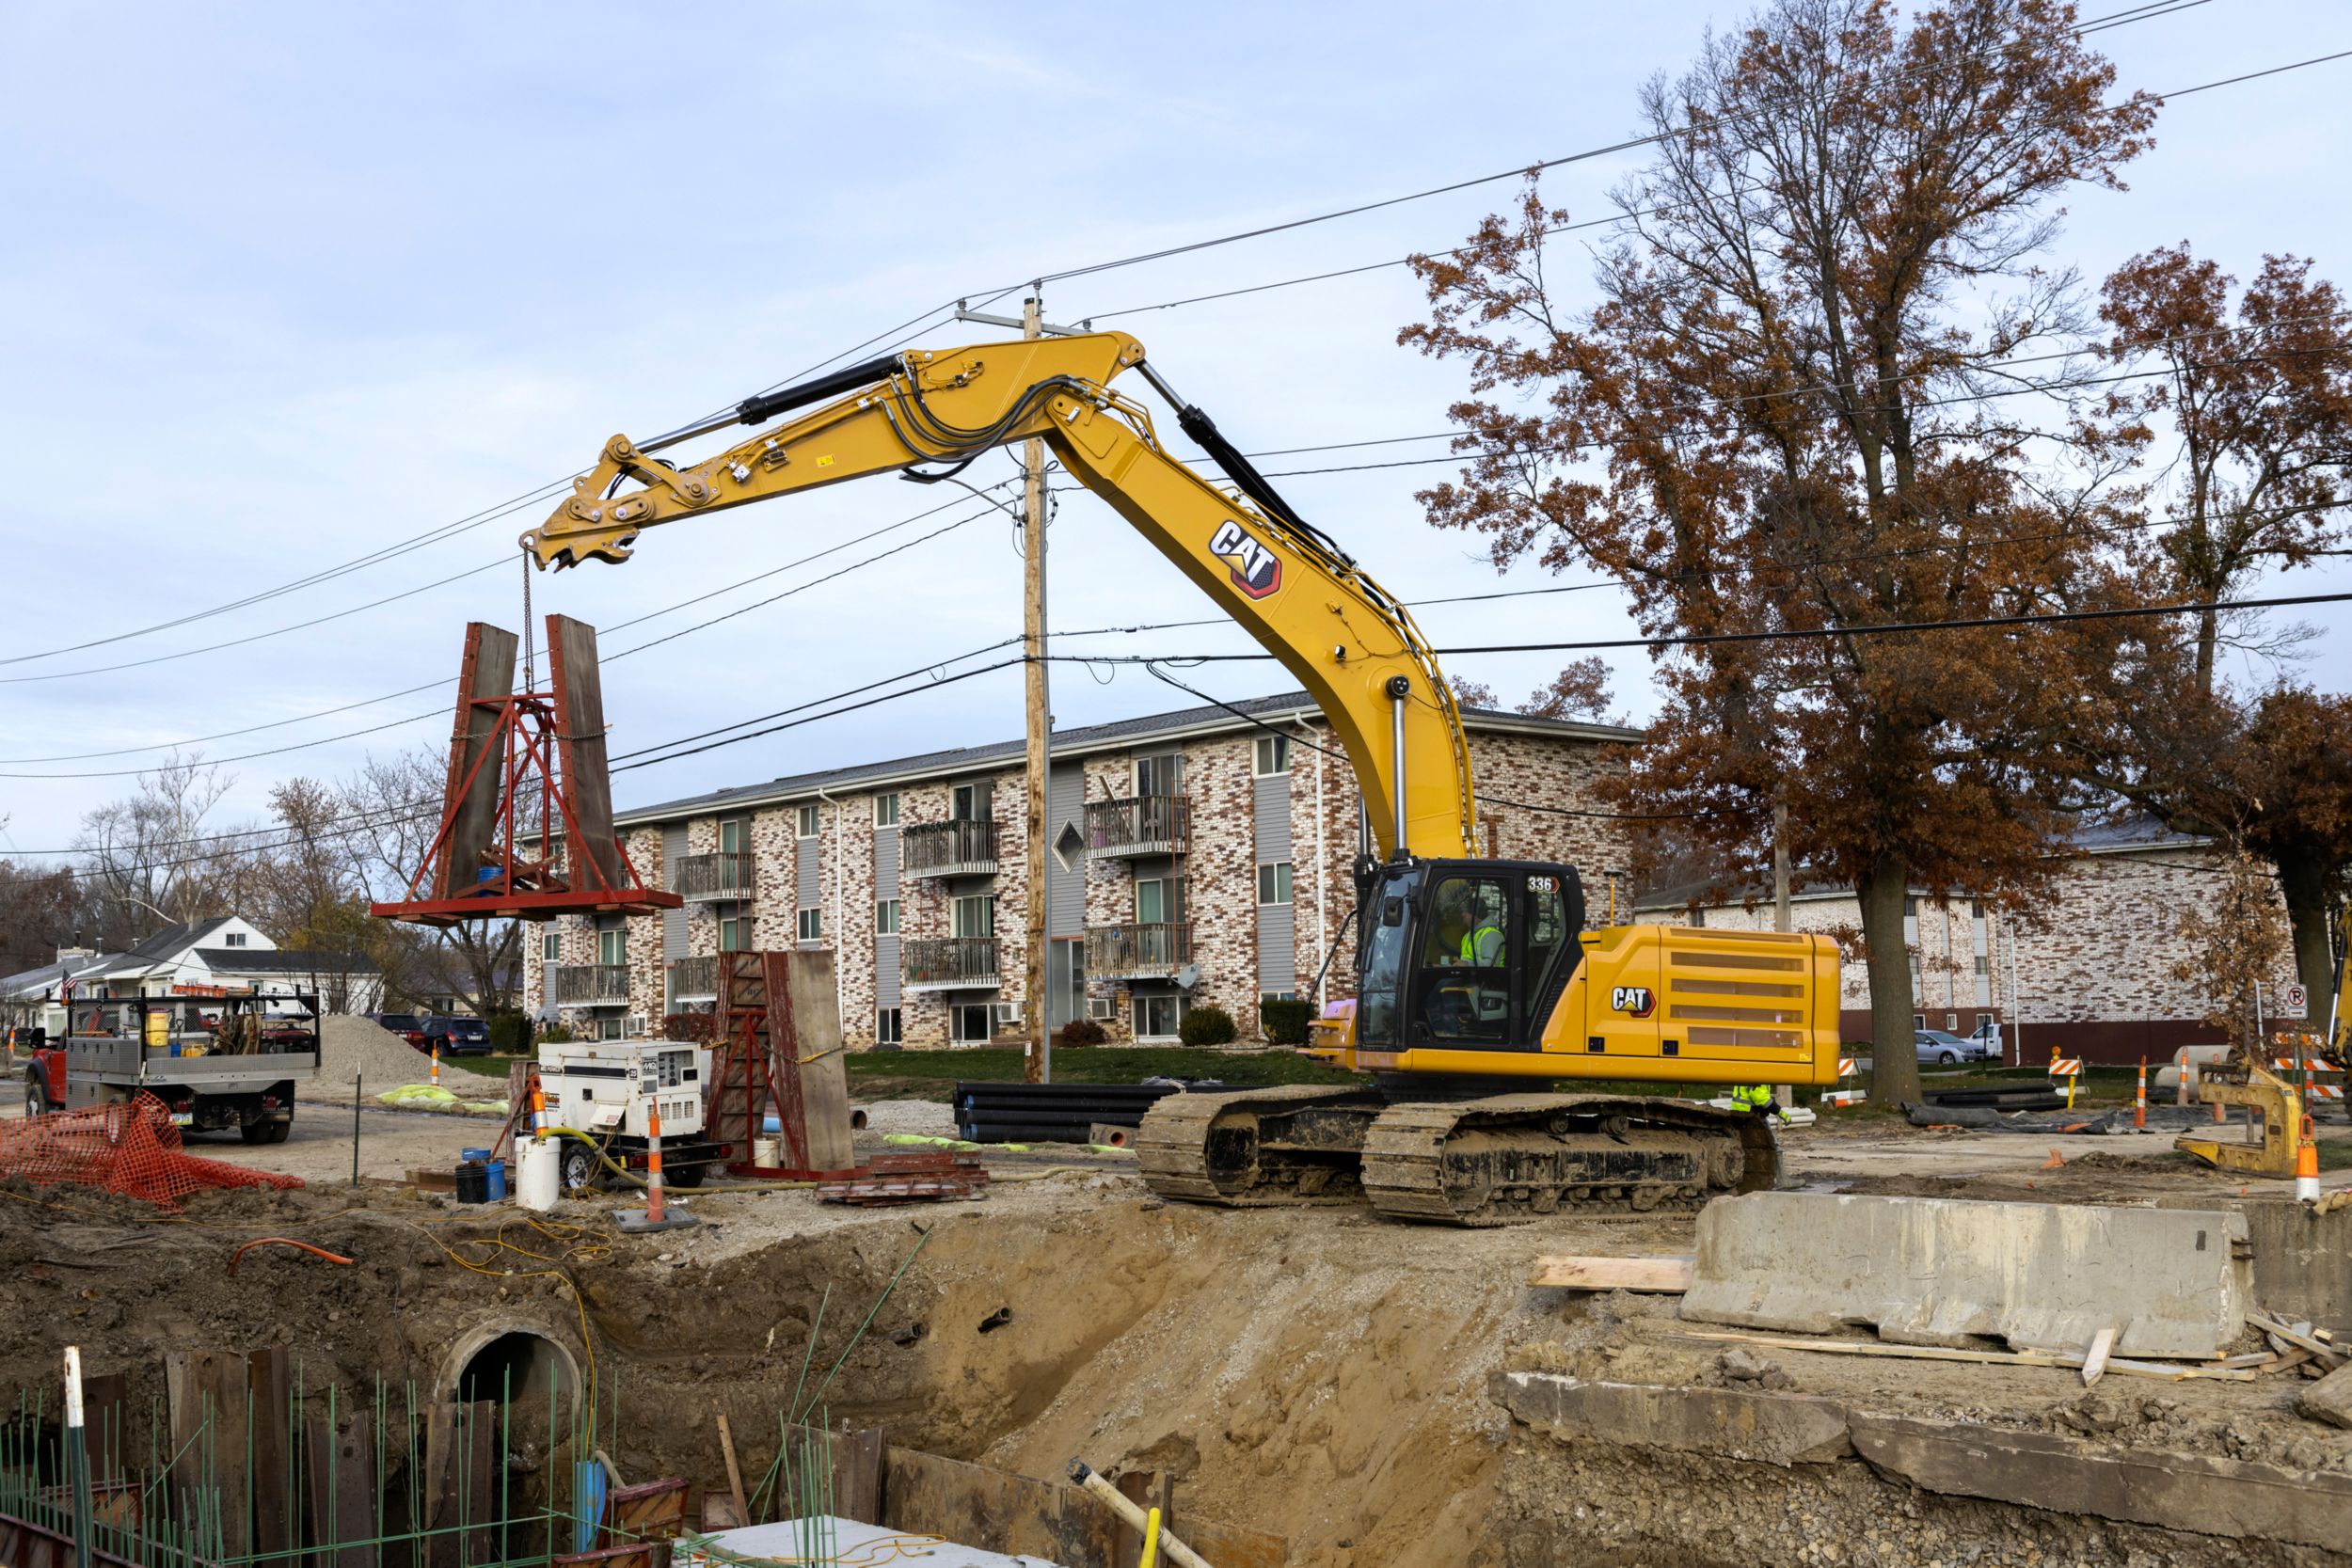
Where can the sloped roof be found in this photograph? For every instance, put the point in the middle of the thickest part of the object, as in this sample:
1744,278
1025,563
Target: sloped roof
282,960
44,980
1073,743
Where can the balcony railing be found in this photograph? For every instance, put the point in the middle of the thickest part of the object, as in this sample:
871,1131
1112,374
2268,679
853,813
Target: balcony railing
590,985
948,963
694,980
957,849
726,878
1139,826
1145,950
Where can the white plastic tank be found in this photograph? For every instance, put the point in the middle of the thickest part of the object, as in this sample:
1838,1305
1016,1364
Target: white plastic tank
538,1173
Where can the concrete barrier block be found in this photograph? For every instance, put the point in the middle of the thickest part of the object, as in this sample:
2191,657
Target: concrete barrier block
1770,1429
1931,1271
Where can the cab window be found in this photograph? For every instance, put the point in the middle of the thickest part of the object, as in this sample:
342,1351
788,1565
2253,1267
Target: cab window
1462,990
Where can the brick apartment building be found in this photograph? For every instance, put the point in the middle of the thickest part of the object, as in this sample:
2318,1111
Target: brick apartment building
2088,972
1192,857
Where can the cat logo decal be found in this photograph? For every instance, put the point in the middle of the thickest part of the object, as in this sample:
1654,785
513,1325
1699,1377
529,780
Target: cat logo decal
1639,1001
1257,571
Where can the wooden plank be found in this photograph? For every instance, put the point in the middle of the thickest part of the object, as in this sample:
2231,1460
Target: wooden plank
441,1480
735,1472
482,1455
857,1475
341,1484
269,1386
816,1004
486,670
217,1384
1669,1276
2095,1358
2070,1360
587,782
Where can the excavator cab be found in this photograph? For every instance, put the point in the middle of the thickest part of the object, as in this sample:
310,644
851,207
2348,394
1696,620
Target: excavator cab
1465,955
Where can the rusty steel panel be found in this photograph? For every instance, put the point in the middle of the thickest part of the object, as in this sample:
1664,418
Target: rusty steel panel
470,799
587,782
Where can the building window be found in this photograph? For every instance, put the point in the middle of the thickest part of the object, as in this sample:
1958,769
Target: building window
886,810
1162,775
550,945
812,925
735,929
1274,755
1278,996
612,945
968,1024
974,916
1157,1016
1698,918
972,802
608,1028
808,821
733,836
1274,882
1159,900
234,939
886,917
1070,846
887,1028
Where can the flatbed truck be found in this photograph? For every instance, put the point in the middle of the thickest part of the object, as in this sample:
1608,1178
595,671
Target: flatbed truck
215,1062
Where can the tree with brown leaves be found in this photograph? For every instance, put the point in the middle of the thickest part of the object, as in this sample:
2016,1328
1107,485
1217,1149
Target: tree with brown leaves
1777,419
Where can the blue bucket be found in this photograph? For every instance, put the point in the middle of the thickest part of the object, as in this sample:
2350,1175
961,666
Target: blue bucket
494,1188
479,1156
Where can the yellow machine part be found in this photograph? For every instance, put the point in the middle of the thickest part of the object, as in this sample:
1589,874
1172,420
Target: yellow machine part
1665,1004
2285,1124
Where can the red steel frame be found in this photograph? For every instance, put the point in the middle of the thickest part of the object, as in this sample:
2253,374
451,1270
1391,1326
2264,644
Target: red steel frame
523,740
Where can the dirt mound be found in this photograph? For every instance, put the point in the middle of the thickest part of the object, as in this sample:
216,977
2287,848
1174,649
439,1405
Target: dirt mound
358,1048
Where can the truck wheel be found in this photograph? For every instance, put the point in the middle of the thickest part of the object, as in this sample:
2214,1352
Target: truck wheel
687,1176
254,1131
280,1131
36,1102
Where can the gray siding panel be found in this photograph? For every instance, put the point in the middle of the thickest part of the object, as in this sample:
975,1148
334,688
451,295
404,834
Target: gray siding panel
1278,949
673,921
885,863
810,890
1271,811
1065,890
885,945
885,978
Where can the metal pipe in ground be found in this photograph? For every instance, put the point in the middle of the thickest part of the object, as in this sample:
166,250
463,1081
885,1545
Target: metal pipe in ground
1116,1502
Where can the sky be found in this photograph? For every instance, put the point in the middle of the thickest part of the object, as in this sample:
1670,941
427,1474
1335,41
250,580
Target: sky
291,287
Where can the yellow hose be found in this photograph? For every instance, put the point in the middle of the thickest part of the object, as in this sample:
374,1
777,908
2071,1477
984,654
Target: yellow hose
1150,1540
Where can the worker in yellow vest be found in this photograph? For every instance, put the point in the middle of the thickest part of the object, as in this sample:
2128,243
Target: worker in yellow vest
1759,1098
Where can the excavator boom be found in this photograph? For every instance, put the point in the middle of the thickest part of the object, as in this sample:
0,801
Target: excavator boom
930,413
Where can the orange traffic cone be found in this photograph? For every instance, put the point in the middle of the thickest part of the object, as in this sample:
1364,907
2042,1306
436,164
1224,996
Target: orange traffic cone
436,1067
2306,1159
653,1164
2139,1099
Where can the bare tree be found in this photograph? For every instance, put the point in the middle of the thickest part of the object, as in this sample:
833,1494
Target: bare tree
392,805
157,857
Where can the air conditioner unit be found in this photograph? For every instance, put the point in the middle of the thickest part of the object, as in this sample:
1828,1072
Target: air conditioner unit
1099,1008
1008,1014
633,1027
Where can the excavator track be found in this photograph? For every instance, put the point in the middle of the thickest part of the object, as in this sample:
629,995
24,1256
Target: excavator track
1509,1158
1502,1160
1292,1145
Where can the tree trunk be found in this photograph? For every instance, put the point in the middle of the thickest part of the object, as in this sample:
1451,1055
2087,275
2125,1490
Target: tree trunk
1895,1062
2304,885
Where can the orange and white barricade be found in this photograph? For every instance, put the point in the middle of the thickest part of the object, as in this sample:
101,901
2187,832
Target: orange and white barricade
1843,1096
2070,1069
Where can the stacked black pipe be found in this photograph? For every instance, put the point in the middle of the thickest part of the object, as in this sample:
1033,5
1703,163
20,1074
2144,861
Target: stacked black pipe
1050,1112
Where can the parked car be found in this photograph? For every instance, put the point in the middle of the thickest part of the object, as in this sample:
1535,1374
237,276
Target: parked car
408,1027
457,1036
1948,1049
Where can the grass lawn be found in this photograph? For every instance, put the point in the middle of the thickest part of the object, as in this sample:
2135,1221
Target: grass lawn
933,1074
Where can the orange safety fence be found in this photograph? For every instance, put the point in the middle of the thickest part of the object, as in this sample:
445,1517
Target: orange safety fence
129,1148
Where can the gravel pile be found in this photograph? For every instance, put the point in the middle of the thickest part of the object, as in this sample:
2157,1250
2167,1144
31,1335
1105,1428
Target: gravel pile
359,1048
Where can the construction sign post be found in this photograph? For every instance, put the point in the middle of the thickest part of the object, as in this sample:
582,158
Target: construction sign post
2070,1069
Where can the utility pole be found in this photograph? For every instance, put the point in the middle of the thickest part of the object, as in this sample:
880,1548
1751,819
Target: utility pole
1037,1063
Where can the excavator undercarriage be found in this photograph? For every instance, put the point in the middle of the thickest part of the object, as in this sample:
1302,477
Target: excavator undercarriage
1497,1160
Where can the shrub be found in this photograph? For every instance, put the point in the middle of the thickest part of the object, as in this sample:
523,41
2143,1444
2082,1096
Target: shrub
1207,1025
555,1034
510,1033
1080,1031
693,1028
1285,1022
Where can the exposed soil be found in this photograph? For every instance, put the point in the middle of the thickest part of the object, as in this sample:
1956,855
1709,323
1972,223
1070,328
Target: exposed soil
1320,1374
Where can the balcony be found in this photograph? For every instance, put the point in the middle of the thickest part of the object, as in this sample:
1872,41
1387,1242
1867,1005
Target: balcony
1140,826
592,985
942,850
694,980
1146,950
948,963
723,877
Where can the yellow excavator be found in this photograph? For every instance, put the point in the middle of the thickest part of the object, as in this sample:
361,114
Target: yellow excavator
1477,984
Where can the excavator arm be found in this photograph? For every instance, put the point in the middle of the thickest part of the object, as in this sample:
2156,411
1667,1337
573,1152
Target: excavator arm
929,414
